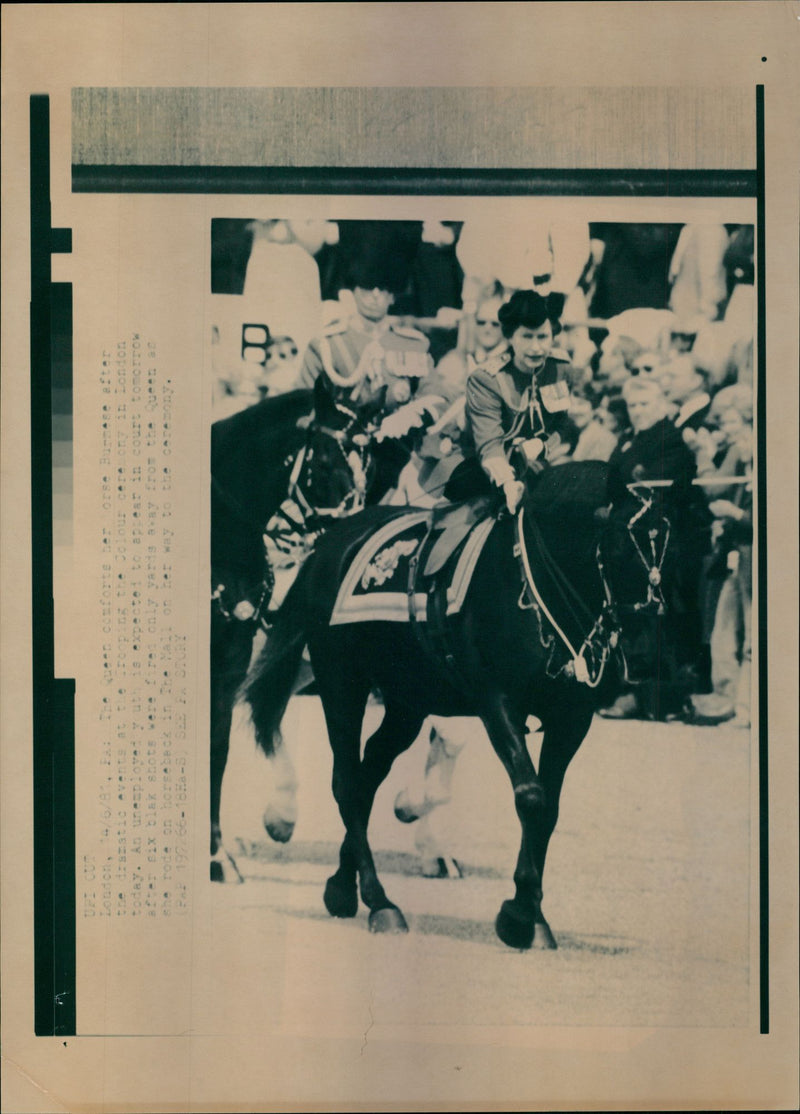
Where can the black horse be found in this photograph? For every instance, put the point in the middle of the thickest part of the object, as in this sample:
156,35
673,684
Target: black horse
259,457
550,646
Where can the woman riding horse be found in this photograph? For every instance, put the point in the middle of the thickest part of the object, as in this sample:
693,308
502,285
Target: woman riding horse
503,657
517,402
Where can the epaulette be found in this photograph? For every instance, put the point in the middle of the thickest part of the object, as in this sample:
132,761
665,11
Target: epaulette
496,363
334,328
408,332
561,355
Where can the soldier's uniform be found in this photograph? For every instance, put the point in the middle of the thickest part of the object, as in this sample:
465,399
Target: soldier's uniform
504,405
357,363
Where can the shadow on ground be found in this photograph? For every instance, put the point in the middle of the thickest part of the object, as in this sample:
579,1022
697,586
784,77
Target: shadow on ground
326,853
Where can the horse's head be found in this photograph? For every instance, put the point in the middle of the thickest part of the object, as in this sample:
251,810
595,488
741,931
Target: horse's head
637,560
332,473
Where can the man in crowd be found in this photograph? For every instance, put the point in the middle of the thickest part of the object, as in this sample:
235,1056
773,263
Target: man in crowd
684,386
367,359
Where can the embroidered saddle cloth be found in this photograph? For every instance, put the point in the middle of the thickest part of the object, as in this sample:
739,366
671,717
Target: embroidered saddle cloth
382,581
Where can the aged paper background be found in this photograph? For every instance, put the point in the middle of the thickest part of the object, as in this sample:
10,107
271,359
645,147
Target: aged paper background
165,1035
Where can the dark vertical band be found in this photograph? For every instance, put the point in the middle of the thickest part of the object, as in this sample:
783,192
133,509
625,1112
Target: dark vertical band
53,701
761,488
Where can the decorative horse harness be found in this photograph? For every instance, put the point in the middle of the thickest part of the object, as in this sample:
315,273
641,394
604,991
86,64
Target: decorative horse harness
296,525
587,661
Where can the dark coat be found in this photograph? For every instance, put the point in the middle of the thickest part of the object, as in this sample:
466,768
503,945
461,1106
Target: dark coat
659,453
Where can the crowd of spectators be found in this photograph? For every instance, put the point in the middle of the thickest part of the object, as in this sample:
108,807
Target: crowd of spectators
658,324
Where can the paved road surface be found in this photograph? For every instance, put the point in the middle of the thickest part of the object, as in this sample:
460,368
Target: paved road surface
647,890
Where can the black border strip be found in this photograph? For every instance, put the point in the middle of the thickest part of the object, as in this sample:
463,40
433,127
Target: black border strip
54,925
761,488
386,180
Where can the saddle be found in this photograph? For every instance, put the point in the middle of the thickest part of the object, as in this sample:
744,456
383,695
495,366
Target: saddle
450,526
434,575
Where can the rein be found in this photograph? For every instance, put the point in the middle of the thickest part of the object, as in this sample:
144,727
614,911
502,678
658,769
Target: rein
653,570
603,631
354,499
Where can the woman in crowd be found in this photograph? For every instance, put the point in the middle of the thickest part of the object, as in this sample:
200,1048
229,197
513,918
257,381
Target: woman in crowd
595,441
656,450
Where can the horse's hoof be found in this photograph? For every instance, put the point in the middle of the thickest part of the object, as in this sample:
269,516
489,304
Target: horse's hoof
443,867
389,920
278,827
340,901
224,869
514,928
543,938
404,810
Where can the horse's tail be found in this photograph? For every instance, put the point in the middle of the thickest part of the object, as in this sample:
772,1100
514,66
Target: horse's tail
270,683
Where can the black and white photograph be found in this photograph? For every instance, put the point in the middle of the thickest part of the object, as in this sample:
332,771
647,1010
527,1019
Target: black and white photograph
483,489
399,578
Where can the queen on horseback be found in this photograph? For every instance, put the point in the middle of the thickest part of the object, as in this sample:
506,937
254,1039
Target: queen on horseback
517,403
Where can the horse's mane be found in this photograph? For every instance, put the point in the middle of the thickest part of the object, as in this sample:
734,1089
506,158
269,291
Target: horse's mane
276,414
569,494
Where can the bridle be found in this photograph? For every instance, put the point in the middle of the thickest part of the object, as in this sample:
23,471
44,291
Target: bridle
654,564
297,524
587,662
354,457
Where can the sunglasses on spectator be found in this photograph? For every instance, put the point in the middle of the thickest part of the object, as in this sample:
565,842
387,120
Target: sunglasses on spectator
483,321
642,368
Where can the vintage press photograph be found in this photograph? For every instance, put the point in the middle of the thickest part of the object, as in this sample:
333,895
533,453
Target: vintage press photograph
481,582
395,605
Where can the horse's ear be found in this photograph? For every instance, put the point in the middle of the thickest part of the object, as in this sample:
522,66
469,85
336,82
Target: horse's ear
324,405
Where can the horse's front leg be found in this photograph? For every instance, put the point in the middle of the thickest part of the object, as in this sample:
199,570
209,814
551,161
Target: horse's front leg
564,731
520,919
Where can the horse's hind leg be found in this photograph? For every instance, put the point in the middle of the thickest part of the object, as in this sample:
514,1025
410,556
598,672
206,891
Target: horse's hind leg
420,803
280,812
398,730
355,784
231,644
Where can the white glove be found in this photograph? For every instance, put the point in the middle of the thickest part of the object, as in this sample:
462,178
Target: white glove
499,470
404,419
502,474
513,491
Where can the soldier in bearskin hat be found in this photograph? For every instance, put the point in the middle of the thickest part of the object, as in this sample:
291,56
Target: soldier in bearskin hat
370,357
368,351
